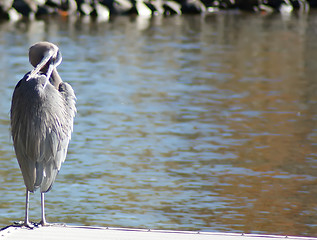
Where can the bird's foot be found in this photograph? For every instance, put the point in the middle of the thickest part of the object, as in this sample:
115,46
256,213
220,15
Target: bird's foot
43,223
46,224
25,224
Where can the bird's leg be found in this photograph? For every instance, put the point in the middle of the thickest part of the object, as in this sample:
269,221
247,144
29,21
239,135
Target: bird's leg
26,219
43,221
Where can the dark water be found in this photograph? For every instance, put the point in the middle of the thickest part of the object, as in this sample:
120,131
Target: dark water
189,123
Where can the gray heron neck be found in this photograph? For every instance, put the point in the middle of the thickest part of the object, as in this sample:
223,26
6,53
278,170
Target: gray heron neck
55,79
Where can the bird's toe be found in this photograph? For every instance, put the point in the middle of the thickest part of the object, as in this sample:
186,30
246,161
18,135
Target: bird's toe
24,224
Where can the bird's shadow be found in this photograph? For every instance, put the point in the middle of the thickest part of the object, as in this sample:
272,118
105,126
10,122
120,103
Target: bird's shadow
34,225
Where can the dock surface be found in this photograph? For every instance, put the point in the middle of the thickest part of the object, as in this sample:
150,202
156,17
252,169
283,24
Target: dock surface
58,232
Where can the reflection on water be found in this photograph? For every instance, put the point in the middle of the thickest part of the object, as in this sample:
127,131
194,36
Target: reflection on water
192,123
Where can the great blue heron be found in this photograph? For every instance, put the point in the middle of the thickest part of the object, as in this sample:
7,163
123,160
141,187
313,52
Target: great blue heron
42,113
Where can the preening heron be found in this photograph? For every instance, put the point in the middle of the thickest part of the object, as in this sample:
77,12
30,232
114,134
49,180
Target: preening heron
42,113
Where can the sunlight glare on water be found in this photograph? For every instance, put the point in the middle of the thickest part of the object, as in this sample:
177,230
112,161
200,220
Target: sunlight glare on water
186,122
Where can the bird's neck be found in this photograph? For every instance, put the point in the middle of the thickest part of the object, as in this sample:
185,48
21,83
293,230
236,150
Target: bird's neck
55,79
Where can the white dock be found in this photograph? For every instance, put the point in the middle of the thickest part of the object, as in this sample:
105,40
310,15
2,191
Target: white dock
59,232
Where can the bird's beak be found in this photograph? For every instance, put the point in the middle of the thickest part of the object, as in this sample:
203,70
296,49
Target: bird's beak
48,55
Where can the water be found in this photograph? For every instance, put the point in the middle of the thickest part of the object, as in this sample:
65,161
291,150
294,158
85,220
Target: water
185,122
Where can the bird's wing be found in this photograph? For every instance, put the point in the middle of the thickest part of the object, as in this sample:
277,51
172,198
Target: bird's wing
59,129
20,125
53,154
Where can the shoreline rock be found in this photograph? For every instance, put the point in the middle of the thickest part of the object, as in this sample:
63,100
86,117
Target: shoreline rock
17,9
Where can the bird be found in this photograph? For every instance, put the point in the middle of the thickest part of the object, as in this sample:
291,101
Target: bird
42,114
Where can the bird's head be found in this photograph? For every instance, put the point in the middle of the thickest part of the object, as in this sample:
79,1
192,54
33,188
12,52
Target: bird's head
44,57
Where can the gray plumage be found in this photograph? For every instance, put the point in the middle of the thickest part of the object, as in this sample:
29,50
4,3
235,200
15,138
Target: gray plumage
42,113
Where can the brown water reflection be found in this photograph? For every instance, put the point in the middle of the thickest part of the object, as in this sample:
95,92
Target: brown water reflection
275,113
190,122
